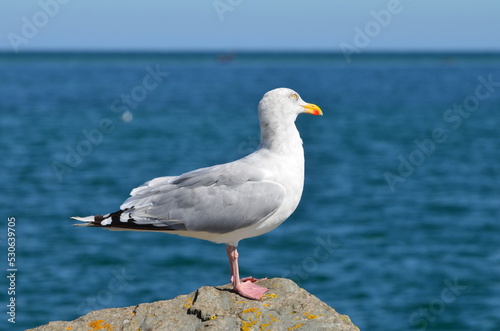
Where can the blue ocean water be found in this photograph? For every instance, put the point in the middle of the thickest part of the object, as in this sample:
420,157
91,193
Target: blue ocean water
398,226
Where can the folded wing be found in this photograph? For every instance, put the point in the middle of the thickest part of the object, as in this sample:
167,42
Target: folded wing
217,199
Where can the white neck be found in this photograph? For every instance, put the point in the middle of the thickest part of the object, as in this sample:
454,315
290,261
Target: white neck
281,138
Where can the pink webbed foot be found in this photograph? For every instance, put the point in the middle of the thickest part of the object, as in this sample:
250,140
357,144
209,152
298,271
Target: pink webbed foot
248,289
244,287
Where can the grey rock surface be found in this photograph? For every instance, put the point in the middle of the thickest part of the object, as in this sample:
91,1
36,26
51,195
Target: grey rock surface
284,307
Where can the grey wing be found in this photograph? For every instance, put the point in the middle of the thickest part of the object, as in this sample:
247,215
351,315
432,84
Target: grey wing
218,199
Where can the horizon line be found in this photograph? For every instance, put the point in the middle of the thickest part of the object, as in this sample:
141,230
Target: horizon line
249,51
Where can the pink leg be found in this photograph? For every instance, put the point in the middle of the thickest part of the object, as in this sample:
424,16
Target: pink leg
244,287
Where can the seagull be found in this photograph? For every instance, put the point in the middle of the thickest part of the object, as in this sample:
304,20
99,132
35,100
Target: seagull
228,202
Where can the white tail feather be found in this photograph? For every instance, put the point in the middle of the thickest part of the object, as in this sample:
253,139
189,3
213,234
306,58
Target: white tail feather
87,219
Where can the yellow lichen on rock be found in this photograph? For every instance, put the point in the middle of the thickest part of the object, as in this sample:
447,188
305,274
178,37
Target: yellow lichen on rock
100,325
270,295
310,316
249,310
264,327
248,323
189,303
295,327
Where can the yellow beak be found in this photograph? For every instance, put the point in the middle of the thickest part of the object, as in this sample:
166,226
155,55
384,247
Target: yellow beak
312,109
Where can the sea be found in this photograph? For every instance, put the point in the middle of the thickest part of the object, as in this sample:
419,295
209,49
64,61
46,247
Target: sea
399,222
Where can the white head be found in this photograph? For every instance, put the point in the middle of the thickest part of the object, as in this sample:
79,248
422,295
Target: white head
278,110
286,104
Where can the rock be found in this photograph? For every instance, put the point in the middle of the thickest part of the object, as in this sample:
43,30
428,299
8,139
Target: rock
284,307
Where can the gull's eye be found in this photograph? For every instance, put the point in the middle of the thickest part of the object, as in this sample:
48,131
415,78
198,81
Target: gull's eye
295,96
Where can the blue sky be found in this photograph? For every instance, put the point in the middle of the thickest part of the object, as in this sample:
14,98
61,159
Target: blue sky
232,25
